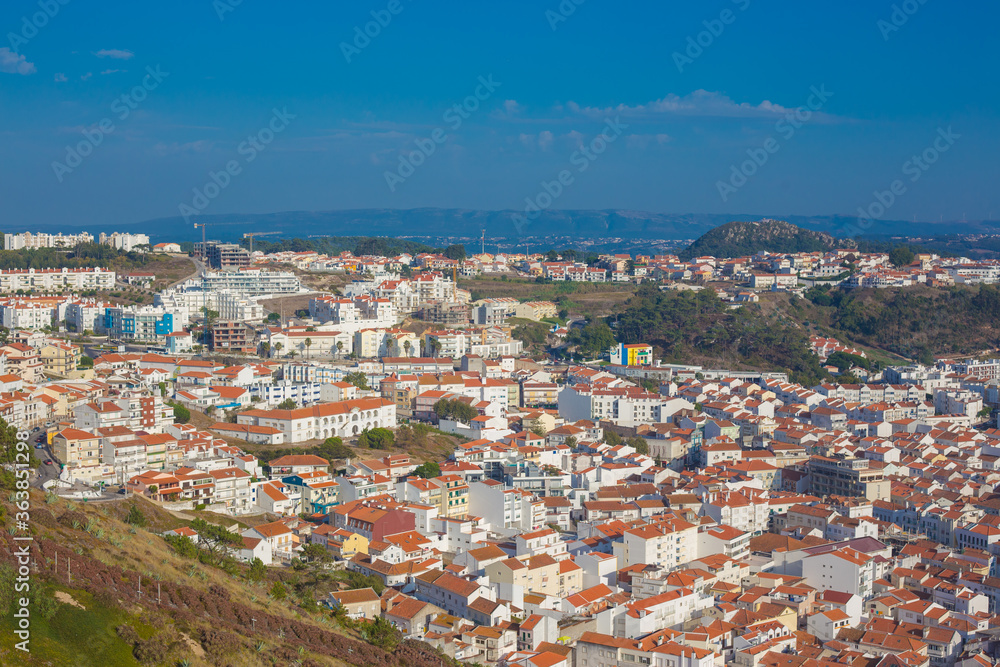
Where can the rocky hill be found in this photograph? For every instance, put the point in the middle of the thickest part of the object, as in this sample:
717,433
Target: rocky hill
738,239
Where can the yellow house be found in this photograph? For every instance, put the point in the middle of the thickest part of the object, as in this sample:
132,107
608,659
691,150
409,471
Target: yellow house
539,574
74,447
60,358
452,495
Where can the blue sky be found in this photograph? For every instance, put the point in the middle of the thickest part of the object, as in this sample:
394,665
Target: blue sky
893,87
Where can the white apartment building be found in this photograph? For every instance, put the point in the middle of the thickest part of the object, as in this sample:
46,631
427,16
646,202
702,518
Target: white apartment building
344,419
282,390
40,240
626,406
124,241
231,306
505,511
353,315
20,314
232,487
251,282
86,314
56,280
669,542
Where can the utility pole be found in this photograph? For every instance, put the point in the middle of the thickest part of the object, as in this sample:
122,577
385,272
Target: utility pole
482,250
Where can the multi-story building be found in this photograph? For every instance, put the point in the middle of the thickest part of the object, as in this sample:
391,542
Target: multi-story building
151,324
60,358
23,360
847,477
232,487
355,314
86,314
251,282
124,241
233,336
56,280
229,304
40,240
224,256
344,419
77,448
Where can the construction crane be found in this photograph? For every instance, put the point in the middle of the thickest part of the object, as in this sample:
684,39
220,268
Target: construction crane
250,235
202,225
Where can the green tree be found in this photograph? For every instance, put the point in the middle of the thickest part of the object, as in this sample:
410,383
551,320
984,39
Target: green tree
358,379
257,570
86,362
216,539
181,414
456,252
135,516
536,427
612,438
901,255
594,340
376,438
456,410
428,470
183,546
334,448
381,633
316,553
308,344
278,591
638,444
287,404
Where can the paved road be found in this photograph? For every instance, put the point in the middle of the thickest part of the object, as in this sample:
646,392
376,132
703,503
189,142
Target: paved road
45,472
199,266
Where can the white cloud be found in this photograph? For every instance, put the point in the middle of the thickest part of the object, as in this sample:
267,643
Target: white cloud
698,103
61,78
113,71
14,63
120,54
86,76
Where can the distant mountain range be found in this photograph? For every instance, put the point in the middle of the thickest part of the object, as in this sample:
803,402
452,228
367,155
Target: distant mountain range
437,223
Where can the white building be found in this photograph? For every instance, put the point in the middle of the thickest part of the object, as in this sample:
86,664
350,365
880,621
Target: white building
56,280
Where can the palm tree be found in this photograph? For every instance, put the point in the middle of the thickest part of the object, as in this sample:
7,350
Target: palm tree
435,346
277,348
308,343
406,346
265,349
340,347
